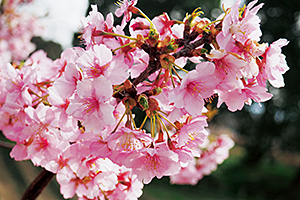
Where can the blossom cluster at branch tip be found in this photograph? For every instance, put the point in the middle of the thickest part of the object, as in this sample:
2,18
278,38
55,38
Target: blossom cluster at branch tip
74,116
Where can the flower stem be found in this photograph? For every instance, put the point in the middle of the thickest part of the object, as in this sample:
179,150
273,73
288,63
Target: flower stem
176,73
162,123
149,20
131,117
167,120
145,119
128,44
118,35
118,123
172,79
180,68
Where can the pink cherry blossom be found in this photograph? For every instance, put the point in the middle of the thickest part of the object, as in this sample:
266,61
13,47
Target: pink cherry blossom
128,187
244,28
99,61
91,105
150,162
273,65
126,139
187,175
215,153
163,24
195,86
140,63
125,8
192,131
236,99
18,85
45,70
139,26
93,24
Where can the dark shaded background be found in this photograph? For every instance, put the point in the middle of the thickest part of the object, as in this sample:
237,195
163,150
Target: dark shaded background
265,164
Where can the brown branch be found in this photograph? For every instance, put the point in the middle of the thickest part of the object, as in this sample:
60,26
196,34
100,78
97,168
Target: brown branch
1,8
186,51
6,145
38,185
153,66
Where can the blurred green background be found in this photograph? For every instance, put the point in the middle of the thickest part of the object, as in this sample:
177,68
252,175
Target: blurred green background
264,164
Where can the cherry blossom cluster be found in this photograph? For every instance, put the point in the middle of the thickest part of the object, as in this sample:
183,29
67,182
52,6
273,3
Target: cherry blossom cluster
211,154
16,30
74,116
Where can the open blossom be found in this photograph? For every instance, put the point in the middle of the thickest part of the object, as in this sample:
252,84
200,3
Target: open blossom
211,155
39,139
193,131
195,86
93,24
236,99
99,173
273,65
163,24
241,28
139,26
215,153
129,187
91,105
65,85
150,162
140,60
18,85
125,9
251,50
187,175
99,61
45,68
229,67
126,139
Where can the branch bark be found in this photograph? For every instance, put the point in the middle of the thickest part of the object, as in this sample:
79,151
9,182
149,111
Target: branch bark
6,145
154,63
38,185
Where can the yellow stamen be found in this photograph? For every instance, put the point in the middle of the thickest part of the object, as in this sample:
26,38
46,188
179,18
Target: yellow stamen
211,23
153,124
125,45
118,35
143,123
176,73
167,121
172,79
180,68
119,123
131,117
162,123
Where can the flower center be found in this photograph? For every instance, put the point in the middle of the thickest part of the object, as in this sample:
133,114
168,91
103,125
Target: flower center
90,105
196,88
95,70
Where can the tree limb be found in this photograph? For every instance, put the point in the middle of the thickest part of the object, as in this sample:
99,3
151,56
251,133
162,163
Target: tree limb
38,185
